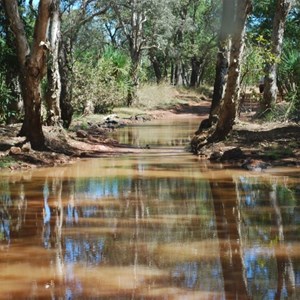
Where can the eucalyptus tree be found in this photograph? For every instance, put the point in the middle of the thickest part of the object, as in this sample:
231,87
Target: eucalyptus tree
192,42
270,90
10,95
159,37
228,108
224,40
132,16
177,65
200,38
52,97
74,16
228,67
32,64
135,17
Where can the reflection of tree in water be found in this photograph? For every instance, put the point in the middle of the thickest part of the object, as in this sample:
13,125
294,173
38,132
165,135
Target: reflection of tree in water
141,213
228,222
12,208
268,207
5,204
256,231
121,221
285,268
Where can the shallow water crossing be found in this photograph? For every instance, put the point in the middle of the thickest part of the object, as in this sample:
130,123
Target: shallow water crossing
160,224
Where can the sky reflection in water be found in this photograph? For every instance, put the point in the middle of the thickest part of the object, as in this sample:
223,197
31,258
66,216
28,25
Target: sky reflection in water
157,225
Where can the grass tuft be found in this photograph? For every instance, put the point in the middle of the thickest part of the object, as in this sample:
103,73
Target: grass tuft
6,162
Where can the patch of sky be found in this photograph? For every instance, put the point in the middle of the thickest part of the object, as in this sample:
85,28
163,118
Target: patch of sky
89,252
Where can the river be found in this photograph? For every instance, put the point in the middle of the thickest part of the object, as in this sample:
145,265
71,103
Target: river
160,224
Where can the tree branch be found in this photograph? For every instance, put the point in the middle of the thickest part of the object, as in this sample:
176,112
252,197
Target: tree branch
40,31
33,11
86,20
150,47
17,27
122,24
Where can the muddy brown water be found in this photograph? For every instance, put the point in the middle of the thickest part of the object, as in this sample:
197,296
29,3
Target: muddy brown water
160,224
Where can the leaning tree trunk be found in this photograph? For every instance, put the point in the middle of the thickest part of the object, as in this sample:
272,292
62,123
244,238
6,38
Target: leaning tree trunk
32,67
53,76
270,89
228,110
222,56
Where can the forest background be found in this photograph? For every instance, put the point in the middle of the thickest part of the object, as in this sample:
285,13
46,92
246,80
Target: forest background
62,59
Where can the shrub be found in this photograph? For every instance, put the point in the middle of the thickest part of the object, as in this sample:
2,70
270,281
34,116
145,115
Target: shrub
103,85
5,98
289,81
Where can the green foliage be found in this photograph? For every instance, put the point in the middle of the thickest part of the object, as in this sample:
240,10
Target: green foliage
6,161
279,152
256,55
116,63
199,41
90,42
5,98
289,80
260,55
265,50
102,85
289,70
176,33
253,60
286,196
9,87
260,21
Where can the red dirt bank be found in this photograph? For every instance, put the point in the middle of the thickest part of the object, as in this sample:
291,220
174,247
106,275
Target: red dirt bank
271,143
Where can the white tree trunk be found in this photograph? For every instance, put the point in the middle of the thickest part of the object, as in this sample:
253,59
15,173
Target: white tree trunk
223,56
53,75
228,109
270,90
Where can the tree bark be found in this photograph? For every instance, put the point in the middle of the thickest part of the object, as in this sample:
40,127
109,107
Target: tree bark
202,69
177,73
65,70
195,71
156,64
53,75
228,110
133,74
222,56
32,67
270,83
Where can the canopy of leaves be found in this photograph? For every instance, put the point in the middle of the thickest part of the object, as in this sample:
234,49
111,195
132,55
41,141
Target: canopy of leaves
175,34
